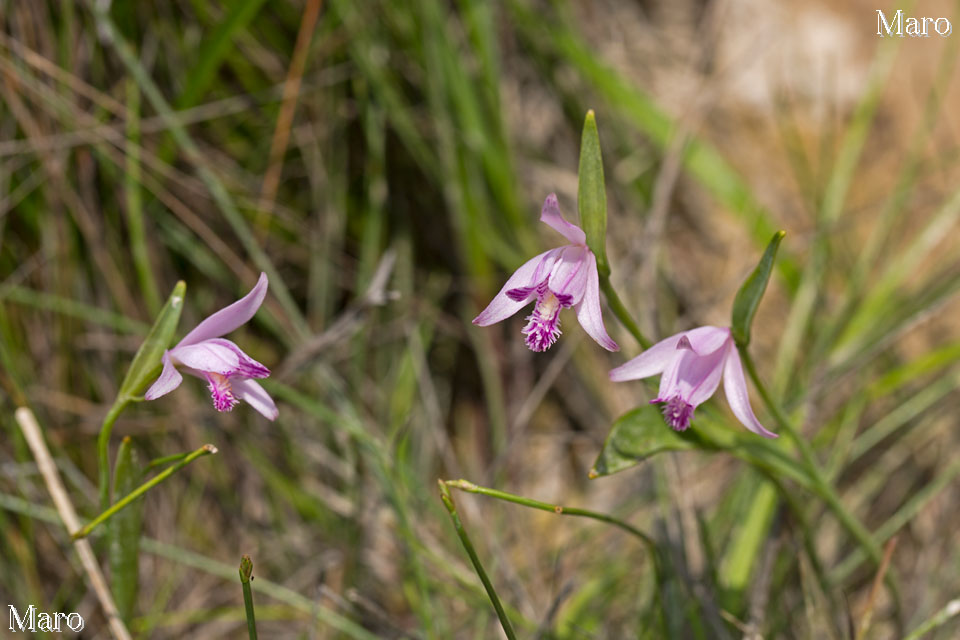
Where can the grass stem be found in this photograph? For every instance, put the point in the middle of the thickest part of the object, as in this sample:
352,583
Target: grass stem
465,539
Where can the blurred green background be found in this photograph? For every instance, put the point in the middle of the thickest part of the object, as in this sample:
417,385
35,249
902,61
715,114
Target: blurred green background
384,163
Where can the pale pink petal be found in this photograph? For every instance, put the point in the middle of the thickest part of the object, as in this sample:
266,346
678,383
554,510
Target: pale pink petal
588,309
568,280
704,340
735,387
255,395
247,366
169,379
550,214
651,362
529,274
207,356
670,378
229,318
699,376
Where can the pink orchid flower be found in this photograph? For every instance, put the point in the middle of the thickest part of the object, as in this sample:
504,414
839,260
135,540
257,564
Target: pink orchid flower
565,277
692,363
229,372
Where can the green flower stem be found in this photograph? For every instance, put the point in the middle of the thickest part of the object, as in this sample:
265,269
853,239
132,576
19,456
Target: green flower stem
159,462
465,539
820,485
466,485
619,310
246,575
205,450
103,448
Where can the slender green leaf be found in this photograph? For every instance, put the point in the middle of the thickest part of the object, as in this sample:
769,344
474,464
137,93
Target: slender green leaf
124,534
146,363
749,296
932,361
592,194
636,436
748,538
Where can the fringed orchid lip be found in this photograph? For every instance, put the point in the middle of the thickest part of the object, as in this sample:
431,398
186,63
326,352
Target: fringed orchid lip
691,364
227,369
677,412
562,278
221,392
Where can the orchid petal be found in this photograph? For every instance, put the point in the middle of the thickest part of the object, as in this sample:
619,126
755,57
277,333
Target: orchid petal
649,363
700,376
704,340
568,280
738,397
529,274
169,379
229,318
550,214
588,309
247,366
209,357
253,394
670,379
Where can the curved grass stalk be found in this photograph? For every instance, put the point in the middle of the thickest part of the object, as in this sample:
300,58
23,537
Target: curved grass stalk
475,559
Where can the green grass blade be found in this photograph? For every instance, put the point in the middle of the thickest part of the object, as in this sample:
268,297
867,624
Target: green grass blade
134,202
215,48
903,515
72,308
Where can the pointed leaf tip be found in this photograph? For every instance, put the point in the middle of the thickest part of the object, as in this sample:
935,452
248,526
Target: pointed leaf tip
751,292
591,193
